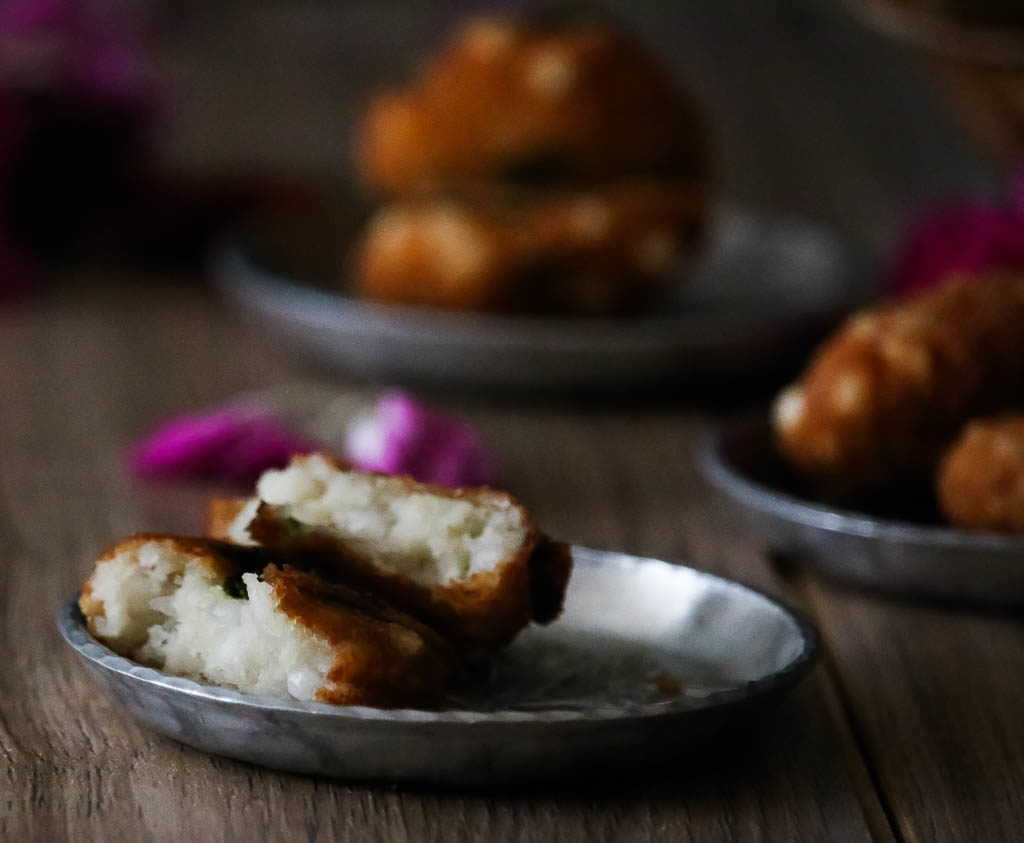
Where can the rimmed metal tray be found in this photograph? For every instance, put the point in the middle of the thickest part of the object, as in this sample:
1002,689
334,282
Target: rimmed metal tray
764,285
924,559
647,658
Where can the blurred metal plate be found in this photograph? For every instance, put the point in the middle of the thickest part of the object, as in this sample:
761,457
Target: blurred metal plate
929,560
576,698
762,285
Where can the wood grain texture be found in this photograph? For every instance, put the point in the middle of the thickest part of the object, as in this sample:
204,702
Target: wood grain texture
90,371
935,697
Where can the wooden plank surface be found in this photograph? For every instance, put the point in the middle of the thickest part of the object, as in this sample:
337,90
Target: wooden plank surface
93,370
934,696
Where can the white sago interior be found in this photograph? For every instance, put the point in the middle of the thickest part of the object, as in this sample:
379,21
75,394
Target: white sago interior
168,609
427,537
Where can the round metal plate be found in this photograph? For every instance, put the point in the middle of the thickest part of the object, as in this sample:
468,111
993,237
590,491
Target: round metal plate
585,694
763,285
916,559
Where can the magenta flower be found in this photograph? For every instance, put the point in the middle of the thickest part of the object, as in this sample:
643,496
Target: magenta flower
87,46
401,436
235,444
74,75
966,237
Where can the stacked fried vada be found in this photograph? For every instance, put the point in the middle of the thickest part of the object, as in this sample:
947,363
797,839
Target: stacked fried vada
981,476
334,585
888,395
540,165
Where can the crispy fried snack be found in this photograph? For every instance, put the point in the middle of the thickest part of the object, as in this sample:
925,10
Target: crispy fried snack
550,563
596,251
221,514
550,569
382,657
981,477
534,101
471,563
219,613
889,391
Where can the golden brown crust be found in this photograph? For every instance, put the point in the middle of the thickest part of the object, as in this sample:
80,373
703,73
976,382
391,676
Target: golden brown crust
512,100
550,569
890,390
220,515
606,249
981,478
383,657
480,614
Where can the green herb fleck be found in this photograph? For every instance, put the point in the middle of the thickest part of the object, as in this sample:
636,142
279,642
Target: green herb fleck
235,587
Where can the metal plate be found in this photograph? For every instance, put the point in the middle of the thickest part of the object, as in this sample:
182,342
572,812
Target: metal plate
763,284
574,698
927,560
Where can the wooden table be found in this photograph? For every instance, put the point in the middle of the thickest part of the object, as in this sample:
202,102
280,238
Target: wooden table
911,727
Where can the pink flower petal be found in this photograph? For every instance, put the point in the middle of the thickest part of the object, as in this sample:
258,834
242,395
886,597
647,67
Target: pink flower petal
115,71
25,18
233,444
265,444
401,436
92,49
968,237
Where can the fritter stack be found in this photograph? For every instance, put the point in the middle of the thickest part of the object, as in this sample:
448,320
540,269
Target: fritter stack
886,398
543,165
334,585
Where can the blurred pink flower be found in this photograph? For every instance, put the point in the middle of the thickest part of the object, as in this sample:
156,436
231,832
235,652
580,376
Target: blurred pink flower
91,47
66,68
970,237
401,436
234,444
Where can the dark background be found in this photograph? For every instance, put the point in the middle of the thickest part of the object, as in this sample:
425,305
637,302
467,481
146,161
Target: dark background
814,112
